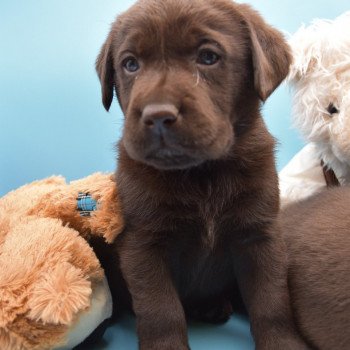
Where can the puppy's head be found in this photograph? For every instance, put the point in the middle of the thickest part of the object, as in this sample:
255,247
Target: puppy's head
187,75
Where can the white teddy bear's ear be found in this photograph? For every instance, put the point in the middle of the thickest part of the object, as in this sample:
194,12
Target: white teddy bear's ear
302,57
314,46
306,46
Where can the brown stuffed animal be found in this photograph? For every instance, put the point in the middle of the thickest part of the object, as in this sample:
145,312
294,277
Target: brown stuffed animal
48,272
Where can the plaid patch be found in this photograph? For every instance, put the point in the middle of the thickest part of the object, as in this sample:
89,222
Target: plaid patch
86,204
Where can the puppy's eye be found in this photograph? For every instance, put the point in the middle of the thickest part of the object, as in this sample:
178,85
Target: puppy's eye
331,109
207,57
131,64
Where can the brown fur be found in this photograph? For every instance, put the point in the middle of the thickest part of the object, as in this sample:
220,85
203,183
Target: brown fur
317,232
199,194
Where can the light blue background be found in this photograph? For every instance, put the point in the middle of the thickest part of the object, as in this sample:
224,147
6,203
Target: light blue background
51,118
52,121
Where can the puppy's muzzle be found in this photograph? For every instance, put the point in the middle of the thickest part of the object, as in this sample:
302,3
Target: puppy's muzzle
163,148
159,118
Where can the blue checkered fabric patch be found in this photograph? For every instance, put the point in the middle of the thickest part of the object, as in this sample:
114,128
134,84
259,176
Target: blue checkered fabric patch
86,204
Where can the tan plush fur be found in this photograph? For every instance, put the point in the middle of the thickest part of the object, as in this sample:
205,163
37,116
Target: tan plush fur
106,222
47,270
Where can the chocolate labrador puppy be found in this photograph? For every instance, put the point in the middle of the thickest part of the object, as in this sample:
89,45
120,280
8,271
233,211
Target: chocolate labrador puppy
317,232
196,172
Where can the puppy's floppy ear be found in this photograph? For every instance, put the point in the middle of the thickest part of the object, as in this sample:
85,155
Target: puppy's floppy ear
270,53
105,72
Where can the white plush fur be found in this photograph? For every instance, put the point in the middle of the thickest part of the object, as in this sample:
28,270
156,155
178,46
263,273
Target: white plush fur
320,76
302,176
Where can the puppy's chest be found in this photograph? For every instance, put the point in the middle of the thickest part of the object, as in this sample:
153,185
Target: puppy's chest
201,251
209,218
209,223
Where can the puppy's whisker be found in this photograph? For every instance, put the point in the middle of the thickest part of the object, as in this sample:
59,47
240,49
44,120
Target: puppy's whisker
197,75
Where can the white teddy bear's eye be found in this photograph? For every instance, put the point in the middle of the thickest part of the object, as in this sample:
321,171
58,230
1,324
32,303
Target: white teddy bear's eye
331,109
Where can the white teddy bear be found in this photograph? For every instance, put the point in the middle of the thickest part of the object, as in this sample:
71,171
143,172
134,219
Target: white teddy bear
320,77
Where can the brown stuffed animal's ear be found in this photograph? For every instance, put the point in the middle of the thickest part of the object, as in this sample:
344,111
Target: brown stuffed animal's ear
270,53
105,71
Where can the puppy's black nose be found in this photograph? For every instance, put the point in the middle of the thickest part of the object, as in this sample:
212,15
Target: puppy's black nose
159,117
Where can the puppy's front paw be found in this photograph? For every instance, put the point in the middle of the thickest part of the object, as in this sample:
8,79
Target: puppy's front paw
173,344
282,342
165,347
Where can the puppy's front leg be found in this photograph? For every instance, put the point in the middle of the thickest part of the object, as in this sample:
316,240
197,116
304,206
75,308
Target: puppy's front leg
161,323
261,271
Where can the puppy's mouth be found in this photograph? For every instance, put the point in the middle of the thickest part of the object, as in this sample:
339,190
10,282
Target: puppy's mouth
166,139
167,158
